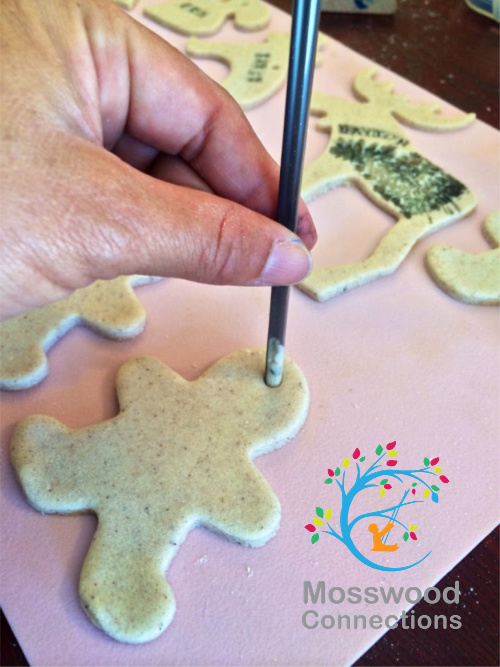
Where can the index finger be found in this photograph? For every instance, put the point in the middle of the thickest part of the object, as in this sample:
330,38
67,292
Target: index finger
171,105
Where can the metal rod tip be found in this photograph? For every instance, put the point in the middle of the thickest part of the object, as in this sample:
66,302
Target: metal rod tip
274,363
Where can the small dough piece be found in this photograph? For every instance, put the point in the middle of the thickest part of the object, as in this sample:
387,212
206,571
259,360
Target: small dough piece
468,277
367,148
178,455
110,307
257,71
126,4
206,17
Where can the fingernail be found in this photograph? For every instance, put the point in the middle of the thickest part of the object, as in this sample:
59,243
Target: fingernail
288,263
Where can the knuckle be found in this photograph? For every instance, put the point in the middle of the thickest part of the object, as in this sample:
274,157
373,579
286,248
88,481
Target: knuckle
240,251
222,256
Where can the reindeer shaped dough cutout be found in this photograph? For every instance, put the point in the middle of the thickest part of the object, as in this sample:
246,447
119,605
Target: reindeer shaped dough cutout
206,17
177,455
368,148
109,307
469,277
257,71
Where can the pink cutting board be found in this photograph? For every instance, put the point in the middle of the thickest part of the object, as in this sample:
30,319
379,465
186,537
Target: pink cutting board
394,360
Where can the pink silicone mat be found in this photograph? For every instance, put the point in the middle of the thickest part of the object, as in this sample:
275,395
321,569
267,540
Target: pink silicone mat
394,360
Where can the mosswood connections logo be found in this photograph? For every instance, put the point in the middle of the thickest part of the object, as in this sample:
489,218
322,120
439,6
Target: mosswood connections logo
402,489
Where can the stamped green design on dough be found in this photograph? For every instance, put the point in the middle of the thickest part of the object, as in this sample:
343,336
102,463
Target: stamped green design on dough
206,17
368,149
469,277
178,455
109,307
257,71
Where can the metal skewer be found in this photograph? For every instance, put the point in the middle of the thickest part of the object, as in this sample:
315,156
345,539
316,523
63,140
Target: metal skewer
302,57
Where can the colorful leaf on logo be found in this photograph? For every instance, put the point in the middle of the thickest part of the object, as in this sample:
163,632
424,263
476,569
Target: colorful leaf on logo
435,461
345,463
315,538
426,462
328,514
391,445
387,486
337,472
444,479
426,493
310,527
330,472
393,453
319,512
328,480
434,497
391,462
382,492
434,487
413,536
405,537
413,527
362,459
379,450
317,521
356,453
436,469
413,491
384,481
414,484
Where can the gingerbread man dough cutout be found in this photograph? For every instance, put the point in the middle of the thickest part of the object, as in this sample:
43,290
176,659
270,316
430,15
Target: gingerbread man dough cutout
257,71
206,17
468,277
368,149
110,307
178,455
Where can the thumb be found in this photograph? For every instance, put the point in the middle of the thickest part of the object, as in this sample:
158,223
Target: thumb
170,230
102,218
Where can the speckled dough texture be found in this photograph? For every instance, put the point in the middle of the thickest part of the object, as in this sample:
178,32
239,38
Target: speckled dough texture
177,455
206,17
109,307
257,71
469,277
367,148
395,360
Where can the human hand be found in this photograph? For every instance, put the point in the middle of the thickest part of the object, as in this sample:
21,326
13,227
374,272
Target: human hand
120,156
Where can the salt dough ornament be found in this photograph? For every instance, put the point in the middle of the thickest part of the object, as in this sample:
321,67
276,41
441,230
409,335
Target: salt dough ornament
206,17
178,455
257,71
110,307
368,149
126,4
468,277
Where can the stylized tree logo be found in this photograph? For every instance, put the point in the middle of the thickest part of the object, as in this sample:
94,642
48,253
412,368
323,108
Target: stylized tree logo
378,477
